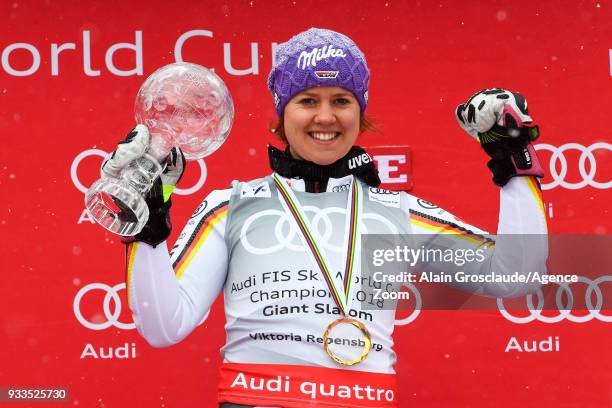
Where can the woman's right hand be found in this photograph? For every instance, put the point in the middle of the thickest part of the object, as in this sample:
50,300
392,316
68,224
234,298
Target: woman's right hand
132,147
135,144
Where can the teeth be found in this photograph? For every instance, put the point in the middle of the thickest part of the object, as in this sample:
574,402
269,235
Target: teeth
323,136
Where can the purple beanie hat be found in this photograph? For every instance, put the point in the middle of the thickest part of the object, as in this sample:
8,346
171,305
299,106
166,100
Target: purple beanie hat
318,57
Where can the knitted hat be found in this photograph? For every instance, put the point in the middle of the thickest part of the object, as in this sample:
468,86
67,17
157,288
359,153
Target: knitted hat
318,57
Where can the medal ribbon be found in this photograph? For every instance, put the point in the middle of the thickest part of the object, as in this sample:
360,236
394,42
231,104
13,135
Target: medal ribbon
351,238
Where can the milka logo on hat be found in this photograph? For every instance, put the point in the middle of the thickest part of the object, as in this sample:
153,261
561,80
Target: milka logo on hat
310,58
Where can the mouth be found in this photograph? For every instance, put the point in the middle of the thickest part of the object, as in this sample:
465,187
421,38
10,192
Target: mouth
324,136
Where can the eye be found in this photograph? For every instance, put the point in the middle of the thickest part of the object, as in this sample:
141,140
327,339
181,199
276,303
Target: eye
307,101
342,101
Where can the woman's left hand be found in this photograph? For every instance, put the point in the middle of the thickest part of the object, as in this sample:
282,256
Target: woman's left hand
494,109
499,120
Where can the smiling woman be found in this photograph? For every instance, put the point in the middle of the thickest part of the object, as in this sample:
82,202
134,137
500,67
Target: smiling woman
320,87
285,249
319,83
321,124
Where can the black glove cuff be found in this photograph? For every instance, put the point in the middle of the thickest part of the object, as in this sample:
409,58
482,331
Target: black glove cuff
502,170
511,156
158,226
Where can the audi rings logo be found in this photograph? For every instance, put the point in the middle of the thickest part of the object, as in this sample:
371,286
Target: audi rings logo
565,310
586,154
340,188
383,191
286,232
74,172
111,318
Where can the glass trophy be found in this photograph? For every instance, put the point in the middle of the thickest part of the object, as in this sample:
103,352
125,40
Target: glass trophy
183,105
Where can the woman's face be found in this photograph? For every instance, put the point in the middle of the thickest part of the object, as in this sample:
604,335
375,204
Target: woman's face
322,124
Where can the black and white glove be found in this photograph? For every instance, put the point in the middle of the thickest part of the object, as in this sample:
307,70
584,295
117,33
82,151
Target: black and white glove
158,226
499,120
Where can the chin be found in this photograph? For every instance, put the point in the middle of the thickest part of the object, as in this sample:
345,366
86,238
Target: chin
324,161
326,157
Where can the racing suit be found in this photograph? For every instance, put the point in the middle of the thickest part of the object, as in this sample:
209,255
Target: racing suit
239,241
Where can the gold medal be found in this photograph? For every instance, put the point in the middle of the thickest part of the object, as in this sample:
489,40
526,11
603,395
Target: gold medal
362,327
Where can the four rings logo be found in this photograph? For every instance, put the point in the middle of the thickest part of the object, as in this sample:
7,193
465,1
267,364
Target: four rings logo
565,310
286,233
375,190
586,154
342,187
110,318
74,172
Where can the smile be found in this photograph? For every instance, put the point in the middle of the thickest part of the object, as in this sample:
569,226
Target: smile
324,136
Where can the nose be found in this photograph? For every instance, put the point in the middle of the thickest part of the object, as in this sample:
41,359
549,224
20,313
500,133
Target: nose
325,115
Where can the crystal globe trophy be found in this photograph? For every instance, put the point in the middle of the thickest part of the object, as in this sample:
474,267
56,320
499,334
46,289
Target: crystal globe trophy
183,105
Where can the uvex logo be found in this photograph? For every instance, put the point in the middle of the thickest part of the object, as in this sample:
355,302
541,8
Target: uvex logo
355,162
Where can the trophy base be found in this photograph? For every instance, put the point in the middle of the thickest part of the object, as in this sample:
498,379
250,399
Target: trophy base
117,206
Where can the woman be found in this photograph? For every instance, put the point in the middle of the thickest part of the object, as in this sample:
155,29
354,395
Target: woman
284,249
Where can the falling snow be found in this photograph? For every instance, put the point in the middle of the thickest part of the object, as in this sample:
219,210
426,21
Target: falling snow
501,15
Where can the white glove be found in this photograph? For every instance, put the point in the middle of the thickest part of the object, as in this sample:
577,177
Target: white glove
132,147
490,107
